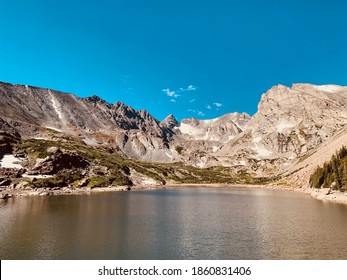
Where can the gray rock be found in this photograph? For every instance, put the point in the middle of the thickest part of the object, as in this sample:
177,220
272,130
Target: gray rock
4,196
84,182
45,193
326,191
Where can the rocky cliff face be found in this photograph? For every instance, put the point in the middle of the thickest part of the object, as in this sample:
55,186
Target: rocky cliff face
26,110
289,124
199,140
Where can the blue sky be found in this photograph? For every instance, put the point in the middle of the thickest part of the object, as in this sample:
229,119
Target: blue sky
190,58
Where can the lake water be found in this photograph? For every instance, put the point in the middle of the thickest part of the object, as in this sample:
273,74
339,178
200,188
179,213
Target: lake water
187,223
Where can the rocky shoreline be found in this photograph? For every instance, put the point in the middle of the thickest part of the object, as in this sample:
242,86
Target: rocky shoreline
325,194
6,193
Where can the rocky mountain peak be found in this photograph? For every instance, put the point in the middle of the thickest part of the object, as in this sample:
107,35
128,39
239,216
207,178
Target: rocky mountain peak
190,121
169,122
95,99
119,104
221,129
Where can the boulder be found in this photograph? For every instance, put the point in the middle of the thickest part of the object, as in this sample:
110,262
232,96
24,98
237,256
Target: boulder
5,196
60,160
7,140
5,182
84,182
45,193
326,191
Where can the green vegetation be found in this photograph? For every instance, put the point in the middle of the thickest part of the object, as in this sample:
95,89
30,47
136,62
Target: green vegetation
60,180
38,148
104,181
333,174
107,167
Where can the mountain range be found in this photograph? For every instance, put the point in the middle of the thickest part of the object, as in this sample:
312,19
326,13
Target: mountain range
294,130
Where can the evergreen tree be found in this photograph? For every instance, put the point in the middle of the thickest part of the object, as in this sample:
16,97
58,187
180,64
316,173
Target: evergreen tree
333,174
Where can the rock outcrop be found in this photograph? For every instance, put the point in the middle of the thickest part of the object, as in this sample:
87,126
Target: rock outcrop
169,122
59,161
7,141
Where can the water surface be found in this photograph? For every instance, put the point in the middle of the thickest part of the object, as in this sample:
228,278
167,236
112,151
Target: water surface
194,223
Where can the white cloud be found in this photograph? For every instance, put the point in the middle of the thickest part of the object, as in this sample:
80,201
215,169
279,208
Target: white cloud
174,94
218,104
208,107
188,88
191,87
170,93
200,113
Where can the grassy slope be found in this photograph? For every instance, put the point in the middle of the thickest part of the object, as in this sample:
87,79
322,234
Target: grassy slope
110,168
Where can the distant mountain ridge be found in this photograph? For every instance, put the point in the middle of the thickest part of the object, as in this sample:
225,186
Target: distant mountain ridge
135,132
291,124
26,108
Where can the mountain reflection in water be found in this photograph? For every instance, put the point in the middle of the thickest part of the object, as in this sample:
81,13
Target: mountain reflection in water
185,223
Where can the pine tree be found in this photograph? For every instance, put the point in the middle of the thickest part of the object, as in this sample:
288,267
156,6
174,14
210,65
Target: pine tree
333,174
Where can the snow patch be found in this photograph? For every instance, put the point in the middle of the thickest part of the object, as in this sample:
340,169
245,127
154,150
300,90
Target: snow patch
238,126
207,121
197,133
329,88
55,105
201,164
169,155
149,182
9,161
215,149
257,139
262,152
37,176
283,125
188,129
90,142
53,128
210,121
